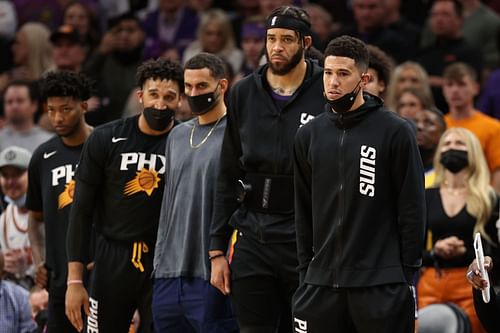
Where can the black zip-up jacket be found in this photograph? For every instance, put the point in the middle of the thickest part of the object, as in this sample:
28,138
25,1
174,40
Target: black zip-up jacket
259,139
359,198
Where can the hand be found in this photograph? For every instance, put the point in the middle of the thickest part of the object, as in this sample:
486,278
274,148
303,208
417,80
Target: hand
41,276
15,261
108,42
76,298
474,276
450,247
221,275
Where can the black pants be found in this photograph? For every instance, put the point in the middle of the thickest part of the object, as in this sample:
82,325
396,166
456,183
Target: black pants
120,283
57,322
264,279
379,309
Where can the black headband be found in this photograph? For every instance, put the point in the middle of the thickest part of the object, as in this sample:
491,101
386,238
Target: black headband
288,22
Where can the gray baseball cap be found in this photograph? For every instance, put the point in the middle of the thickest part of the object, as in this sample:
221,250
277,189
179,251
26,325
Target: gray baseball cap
15,156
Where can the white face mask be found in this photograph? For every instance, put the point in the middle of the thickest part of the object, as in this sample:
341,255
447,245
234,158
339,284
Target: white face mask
19,202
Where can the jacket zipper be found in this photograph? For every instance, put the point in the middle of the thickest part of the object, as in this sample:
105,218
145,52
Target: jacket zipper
338,230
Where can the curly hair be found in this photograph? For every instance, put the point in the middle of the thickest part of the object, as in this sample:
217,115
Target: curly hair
381,63
162,69
66,84
349,47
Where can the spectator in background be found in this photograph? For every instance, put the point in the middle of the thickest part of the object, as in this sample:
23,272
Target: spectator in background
114,66
479,27
398,23
39,301
20,105
215,35
412,101
489,100
370,27
446,20
68,51
15,312
380,69
407,74
8,27
83,19
460,204
253,35
14,242
171,27
32,52
430,126
459,88
321,24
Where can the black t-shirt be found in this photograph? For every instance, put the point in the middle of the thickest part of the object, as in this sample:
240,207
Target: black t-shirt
460,225
126,168
50,190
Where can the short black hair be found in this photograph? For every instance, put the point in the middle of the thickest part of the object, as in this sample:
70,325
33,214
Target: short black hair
33,91
381,63
215,65
162,69
66,84
349,47
127,16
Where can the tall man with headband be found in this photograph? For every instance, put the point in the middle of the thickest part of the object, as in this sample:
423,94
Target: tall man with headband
265,110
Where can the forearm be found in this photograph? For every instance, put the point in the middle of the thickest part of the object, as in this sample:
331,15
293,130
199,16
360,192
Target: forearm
36,235
80,222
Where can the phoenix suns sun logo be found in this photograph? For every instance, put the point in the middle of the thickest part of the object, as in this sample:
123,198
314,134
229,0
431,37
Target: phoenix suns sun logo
145,181
66,197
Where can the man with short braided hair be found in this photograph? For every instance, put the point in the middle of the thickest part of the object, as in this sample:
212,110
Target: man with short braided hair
265,110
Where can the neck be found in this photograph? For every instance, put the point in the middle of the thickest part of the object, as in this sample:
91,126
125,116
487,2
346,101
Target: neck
455,181
79,136
22,127
360,100
291,80
464,112
214,114
144,127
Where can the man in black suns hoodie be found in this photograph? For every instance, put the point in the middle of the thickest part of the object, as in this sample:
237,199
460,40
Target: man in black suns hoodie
359,205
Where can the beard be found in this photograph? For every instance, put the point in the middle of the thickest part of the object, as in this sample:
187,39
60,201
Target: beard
287,67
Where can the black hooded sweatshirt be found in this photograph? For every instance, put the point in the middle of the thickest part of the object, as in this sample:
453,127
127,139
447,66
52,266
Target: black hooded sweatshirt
359,198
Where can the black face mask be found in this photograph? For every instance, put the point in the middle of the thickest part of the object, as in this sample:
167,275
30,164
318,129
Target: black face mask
344,103
454,160
201,104
158,119
427,154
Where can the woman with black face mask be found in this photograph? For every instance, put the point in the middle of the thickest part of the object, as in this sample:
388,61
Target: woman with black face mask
461,204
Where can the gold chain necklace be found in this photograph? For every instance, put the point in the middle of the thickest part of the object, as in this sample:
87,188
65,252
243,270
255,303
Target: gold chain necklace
206,137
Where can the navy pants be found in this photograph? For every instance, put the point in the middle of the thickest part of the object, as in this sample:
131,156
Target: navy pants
191,305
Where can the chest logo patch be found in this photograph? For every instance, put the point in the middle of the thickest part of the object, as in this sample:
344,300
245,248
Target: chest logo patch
145,180
66,197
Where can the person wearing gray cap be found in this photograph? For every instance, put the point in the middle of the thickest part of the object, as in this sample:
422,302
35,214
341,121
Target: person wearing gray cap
14,243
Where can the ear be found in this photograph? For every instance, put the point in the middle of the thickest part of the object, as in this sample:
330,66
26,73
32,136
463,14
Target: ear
365,79
307,42
85,106
140,93
476,88
224,85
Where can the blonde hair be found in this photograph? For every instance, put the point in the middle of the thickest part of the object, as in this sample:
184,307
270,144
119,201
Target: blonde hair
393,89
480,194
39,48
219,17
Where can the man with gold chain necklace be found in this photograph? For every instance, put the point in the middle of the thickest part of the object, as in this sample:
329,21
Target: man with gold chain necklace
183,299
